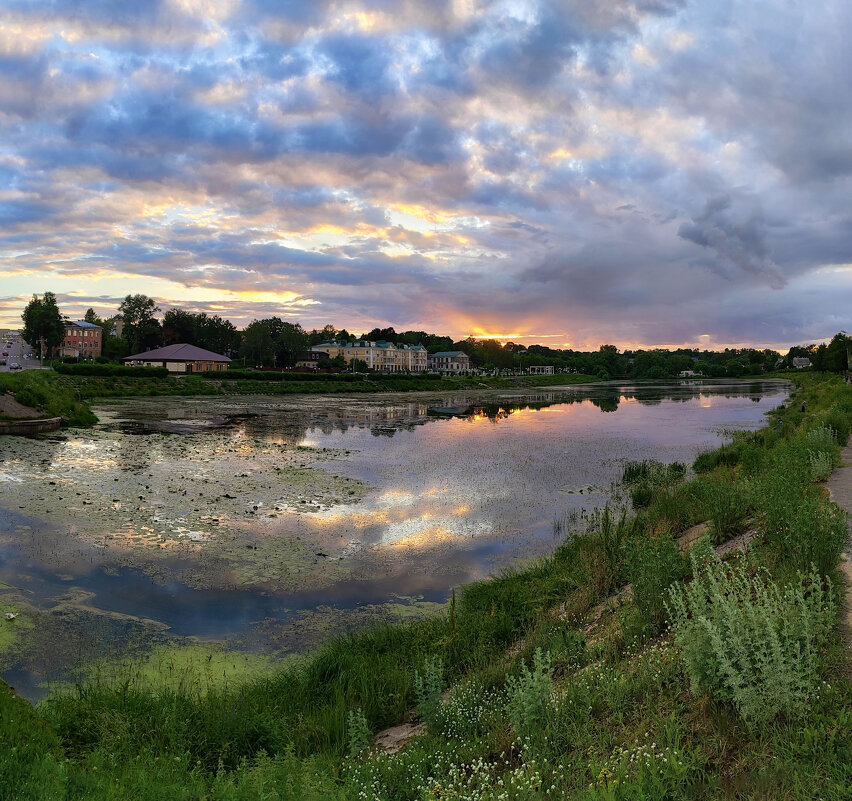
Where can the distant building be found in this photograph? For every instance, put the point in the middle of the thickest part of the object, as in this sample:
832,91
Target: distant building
801,362
541,369
449,361
312,359
688,373
382,356
181,358
82,340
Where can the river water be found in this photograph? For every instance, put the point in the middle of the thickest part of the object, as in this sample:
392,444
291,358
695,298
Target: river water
265,522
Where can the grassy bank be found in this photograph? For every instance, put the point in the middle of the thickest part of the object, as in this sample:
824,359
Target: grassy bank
712,680
47,392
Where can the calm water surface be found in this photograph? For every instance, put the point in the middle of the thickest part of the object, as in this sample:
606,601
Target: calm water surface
457,486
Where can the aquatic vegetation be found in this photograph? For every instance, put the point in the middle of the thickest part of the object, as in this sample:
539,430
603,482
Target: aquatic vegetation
647,477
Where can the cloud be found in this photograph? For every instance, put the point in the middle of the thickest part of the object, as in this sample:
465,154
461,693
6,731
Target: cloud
738,236
627,170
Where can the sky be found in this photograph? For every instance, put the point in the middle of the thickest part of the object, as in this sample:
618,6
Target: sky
569,172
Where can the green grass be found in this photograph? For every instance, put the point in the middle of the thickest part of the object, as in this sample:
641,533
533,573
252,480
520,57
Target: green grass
44,391
624,720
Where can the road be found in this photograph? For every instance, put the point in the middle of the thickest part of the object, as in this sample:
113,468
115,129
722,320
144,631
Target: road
17,353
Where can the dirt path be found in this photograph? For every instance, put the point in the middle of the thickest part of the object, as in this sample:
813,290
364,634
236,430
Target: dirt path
9,407
840,487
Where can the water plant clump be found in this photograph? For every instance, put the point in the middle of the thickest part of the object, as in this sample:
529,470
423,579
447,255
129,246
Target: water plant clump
647,477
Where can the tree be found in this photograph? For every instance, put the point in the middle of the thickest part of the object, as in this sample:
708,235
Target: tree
141,328
274,341
734,368
381,335
179,327
289,341
91,317
257,343
836,354
43,323
327,334
216,334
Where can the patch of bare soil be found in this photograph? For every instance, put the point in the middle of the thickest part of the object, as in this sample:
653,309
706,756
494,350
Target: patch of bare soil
9,407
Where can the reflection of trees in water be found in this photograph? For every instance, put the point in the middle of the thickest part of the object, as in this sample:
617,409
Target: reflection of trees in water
293,425
607,404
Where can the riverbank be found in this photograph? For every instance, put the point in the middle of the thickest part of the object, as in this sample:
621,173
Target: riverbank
69,396
15,418
540,703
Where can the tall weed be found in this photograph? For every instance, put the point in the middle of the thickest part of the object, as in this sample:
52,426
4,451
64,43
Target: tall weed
529,697
655,565
726,501
427,690
749,642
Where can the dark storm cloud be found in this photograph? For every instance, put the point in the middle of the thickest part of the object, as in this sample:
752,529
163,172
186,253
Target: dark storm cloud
737,237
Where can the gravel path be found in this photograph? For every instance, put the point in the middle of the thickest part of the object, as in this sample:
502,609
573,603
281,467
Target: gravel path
840,487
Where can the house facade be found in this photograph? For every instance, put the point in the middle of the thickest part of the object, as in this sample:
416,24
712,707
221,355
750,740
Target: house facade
312,360
385,357
181,358
449,361
83,340
541,369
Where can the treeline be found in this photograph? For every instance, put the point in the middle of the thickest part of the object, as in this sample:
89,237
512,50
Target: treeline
277,343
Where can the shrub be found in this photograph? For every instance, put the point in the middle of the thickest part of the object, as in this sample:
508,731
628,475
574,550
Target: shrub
654,566
427,690
728,455
644,477
801,530
121,370
821,438
726,502
838,420
529,697
613,536
276,375
359,734
749,642
653,472
469,711
821,465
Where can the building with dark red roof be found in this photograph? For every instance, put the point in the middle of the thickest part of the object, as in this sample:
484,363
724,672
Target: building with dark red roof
181,358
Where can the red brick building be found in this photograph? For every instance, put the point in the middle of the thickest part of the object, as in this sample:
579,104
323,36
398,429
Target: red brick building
82,339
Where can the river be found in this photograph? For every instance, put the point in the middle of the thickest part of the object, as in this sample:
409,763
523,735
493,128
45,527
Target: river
266,522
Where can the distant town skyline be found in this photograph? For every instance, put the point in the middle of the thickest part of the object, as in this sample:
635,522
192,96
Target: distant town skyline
653,173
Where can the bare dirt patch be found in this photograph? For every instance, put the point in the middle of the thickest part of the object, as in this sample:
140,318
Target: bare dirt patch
10,408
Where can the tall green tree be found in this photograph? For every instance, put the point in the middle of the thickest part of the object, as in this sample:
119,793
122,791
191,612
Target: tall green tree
836,353
43,324
258,346
142,330
212,332
274,342
290,340
178,327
